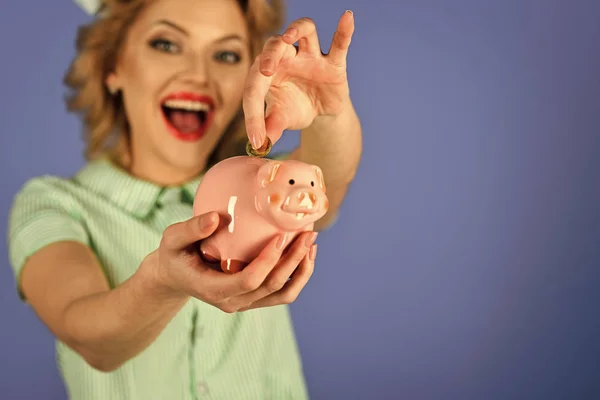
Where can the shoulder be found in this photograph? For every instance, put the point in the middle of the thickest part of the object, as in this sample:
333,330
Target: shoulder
45,191
55,188
46,185
46,197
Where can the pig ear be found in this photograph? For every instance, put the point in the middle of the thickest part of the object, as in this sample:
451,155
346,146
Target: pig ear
267,172
320,179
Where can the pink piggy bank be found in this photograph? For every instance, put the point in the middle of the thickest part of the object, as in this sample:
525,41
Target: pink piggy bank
256,199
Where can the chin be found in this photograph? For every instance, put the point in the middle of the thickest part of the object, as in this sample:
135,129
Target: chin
187,159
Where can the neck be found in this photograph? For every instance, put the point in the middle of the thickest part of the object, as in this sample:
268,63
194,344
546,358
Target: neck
159,172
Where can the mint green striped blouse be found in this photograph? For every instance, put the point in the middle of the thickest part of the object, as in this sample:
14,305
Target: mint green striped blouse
203,353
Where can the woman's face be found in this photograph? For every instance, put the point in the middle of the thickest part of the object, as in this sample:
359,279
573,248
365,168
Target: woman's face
181,73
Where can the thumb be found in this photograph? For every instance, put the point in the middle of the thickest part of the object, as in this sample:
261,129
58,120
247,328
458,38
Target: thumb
275,123
183,234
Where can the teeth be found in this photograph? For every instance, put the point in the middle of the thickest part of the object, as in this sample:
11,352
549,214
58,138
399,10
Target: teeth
187,105
300,215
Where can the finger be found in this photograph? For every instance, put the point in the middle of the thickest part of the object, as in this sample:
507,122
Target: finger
303,31
272,54
278,277
253,275
276,122
184,234
341,39
291,290
253,104
217,288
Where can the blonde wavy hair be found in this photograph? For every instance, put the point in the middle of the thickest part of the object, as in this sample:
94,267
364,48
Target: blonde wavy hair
98,45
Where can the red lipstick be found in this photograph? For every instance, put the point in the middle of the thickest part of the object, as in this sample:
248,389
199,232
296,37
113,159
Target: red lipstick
187,115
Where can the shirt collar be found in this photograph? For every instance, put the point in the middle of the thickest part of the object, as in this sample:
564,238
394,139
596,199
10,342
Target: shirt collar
137,196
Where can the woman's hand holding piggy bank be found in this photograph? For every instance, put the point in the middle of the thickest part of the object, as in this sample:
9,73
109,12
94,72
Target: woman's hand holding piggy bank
258,200
253,217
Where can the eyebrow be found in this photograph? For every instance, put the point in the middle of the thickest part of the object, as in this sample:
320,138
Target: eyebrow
172,25
180,29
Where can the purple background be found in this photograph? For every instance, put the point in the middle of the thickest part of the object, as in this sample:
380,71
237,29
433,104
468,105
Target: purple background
465,264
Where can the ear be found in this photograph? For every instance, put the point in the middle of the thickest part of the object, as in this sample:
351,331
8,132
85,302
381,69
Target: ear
320,178
267,173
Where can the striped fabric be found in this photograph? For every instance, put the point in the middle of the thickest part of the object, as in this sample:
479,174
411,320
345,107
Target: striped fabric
203,353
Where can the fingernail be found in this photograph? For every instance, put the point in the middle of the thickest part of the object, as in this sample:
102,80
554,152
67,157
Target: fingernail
268,65
349,11
206,221
280,242
290,32
313,252
255,141
310,240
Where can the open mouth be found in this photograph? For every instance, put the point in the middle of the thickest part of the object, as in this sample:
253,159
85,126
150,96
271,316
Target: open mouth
187,116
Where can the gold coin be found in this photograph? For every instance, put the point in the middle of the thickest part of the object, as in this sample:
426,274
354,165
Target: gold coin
264,150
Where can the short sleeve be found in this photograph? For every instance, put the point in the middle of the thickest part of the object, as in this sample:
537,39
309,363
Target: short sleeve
42,212
283,156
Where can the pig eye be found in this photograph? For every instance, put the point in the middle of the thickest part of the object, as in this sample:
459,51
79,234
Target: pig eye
312,183
292,181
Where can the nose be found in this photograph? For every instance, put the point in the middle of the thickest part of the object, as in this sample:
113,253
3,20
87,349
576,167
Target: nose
306,199
197,71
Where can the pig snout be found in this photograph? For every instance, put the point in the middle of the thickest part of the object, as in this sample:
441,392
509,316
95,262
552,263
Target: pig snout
301,201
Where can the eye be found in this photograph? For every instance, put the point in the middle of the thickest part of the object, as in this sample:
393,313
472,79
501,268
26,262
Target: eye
228,57
292,181
312,183
164,45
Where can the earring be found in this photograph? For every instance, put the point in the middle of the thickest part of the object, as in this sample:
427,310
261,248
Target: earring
112,89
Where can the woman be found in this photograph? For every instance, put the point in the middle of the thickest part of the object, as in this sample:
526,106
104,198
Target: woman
107,258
